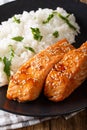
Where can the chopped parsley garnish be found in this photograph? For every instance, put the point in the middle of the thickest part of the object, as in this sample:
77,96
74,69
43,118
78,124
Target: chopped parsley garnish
30,49
7,61
65,18
0,59
18,38
11,52
49,18
36,34
16,20
56,34
7,64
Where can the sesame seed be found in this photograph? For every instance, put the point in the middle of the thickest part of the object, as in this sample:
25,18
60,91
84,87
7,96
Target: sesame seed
23,82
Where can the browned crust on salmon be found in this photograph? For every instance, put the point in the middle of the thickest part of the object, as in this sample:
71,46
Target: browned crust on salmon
67,75
27,83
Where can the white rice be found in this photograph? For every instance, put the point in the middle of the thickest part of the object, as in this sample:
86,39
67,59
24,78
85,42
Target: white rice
10,29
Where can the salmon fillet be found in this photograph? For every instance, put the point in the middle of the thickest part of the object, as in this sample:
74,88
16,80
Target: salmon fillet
67,75
27,83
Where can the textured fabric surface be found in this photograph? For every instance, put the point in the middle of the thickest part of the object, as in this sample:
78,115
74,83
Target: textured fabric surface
13,121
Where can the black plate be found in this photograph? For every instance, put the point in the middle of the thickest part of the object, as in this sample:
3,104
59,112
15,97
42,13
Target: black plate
41,106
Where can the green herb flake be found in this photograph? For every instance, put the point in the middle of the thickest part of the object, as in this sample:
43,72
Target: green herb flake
7,61
49,18
11,52
7,64
30,49
16,20
0,59
36,34
56,34
18,38
67,21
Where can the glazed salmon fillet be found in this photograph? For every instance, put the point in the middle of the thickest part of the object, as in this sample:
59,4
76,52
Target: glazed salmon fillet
67,75
27,83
